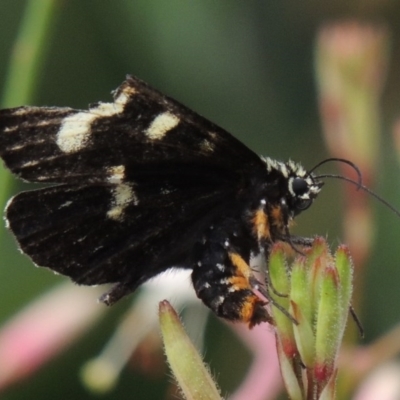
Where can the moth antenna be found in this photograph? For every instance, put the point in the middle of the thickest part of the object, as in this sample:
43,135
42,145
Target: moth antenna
358,183
357,322
344,161
274,303
364,188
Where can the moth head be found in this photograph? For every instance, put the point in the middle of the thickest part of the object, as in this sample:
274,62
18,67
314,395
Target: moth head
295,187
303,189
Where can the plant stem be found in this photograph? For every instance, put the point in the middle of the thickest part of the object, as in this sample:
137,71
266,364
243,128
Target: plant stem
25,65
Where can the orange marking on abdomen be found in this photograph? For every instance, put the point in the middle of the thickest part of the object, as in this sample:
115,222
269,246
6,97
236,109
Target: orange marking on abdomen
277,217
261,224
251,308
248,312
239,283
241,266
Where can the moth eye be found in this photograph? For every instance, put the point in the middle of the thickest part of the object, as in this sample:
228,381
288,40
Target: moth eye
303,204
299,186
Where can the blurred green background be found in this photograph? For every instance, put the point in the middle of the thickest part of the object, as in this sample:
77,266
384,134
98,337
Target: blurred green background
247,66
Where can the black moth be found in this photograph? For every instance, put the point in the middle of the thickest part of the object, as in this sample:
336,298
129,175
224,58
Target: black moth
142,185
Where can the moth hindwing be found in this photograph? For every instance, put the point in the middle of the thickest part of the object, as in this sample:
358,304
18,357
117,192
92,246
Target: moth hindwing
143,184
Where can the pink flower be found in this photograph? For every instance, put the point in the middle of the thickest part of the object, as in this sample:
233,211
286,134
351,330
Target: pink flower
44,329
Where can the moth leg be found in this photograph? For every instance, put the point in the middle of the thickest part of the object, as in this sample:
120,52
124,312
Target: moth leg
223,280
297,240
116,293
302,241
121,289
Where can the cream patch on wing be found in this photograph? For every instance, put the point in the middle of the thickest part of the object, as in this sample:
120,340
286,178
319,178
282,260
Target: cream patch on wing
161,125
122,193
75,131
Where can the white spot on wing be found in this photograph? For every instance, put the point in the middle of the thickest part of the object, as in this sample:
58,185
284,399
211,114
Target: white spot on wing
162,124
10,128
125,95
30,164
207,146
123,195
33,163
116,174
45,122
22,111
17,147
75,130
165,191
66,204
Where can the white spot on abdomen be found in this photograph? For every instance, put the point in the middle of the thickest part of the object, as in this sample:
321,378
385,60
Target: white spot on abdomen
221,267
161,125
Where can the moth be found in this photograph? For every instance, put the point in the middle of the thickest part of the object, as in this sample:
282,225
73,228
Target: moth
143,184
